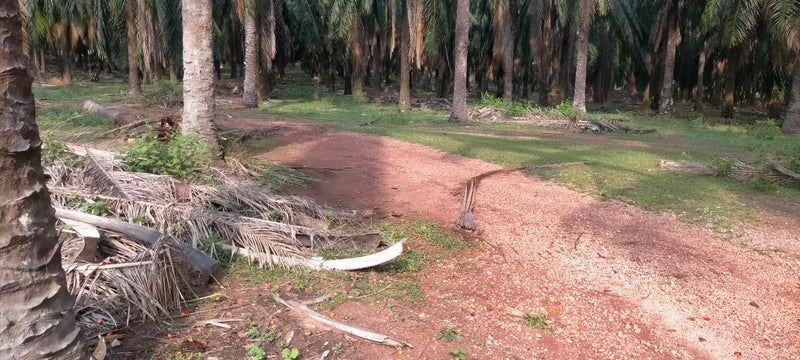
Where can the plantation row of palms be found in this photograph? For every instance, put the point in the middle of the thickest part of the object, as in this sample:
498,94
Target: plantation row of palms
658,51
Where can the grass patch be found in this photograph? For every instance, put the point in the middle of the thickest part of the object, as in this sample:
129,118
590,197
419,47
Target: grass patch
71,124
102,92
536,321
426,242
448,334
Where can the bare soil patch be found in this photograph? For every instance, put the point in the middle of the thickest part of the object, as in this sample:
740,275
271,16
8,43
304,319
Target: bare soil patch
615,281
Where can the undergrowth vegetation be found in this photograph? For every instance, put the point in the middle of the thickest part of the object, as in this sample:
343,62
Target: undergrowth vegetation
180,156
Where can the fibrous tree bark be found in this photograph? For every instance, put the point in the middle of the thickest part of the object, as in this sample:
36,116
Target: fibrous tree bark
134,83
198,73
504,46
66,56
791,116
357,53
586,12
700,86
731,67
267,41
673,39
459,112
250,85
36,321
404,98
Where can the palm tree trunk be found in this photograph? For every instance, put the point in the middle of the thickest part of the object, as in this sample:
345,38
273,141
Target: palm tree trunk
459,112
267,48
134,83
791,115
375,67
586,9
66,45
545,70
42,65
700,86
505,45
731,67
173,73
357,52
37,320
404,98
198,73
250,85
673,39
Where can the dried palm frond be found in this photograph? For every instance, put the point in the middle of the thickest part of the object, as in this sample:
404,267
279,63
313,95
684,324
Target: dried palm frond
97,176
129,282
242,213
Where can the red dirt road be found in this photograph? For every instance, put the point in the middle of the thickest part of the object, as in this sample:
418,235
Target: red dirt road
616,281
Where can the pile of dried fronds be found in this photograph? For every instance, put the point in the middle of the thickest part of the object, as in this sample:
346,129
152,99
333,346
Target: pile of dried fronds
128,282
243,214
730,167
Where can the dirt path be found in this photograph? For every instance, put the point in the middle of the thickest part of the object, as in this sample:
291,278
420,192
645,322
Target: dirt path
616,281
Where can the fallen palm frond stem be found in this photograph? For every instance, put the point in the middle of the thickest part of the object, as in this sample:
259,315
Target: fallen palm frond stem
466,219
127,122
202,263
353,330
318,263
734,168
495,115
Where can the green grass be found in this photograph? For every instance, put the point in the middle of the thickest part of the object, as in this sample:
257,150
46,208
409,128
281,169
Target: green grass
536,321
448,334
304,100
103,92
426,242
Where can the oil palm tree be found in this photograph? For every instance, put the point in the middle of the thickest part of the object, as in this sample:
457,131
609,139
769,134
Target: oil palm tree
198,73
251,41
459,112
733,23
784,18
37,321
503,48
134,83
586,10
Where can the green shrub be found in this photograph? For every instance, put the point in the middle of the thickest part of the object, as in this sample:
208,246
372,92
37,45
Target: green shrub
162,92
722,166
568,111
765,130
518,109
489,100
181,156
794,165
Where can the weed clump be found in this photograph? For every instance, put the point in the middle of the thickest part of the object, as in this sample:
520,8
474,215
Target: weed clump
181,156
448,334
